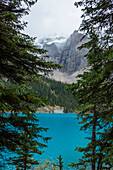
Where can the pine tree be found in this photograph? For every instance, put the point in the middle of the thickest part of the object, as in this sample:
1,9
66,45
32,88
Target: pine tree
94,90
92,112
29,146
20,63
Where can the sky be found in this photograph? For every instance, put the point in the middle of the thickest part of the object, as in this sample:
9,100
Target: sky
50,17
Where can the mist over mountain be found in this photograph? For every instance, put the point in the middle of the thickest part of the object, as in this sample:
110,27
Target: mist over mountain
65,52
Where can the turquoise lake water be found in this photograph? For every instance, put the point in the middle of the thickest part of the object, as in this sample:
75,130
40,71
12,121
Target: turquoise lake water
66,135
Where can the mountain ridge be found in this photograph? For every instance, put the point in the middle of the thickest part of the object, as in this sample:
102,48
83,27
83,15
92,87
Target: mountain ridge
65,52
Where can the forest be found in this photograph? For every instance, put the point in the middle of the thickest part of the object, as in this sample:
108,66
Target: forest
22,64
55,92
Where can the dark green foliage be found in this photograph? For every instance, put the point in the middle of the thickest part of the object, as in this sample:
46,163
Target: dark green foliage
29,146
20,63
20,130
94,91
55,92
97,15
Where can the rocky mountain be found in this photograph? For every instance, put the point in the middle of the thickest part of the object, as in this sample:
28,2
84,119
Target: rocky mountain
71,57
65,52
54,46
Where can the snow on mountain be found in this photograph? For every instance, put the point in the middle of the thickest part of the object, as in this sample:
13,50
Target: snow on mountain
58,41
64,51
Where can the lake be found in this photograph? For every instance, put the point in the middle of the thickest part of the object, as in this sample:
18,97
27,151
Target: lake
66,135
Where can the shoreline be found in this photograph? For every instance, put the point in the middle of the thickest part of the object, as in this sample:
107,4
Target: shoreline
53,109
55,113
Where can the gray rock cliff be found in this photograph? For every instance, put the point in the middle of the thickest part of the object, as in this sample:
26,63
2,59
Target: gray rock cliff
66,52
71,57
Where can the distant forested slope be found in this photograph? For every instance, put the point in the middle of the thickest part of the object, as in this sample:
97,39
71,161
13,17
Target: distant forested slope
56,94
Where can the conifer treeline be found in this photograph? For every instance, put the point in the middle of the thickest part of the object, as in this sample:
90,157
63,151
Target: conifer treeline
55,92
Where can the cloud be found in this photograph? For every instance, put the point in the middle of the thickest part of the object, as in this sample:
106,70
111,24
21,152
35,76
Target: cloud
50,16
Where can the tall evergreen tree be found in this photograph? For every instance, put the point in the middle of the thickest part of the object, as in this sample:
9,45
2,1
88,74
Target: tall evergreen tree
20,63
29,146
94,90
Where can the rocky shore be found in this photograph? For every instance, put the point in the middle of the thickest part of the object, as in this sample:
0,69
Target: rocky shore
50,109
